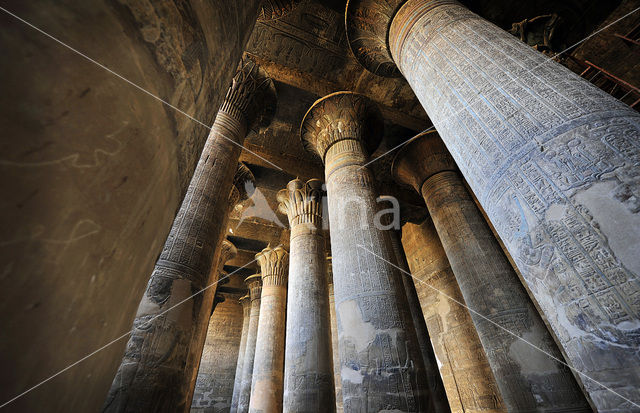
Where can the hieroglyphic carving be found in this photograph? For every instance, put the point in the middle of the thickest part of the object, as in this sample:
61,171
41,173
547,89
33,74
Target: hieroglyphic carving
153,374
501,310
245,301
381,366
254,283
267,381
308,375
464,367
534,142
276,9
214,385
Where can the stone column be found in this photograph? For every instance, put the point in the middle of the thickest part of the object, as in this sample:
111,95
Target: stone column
242,180
553,161
464,367
152,375
267,380
337,380
437,396
381,364
254,283
245,301
504,316
227,252
308,370
214,387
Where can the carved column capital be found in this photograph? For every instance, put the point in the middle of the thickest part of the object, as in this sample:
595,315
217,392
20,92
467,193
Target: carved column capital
228,251
276,9
302,202
341,116
244,183
245,301
254,283
424,156
251,99
274,265
367,25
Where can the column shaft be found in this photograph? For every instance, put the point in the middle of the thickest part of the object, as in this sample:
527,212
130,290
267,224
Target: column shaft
381,366
227,251
308,371
528,378
464,367
152,376
237,383
268,366
250,351
437,395
337,380
553,160
214,385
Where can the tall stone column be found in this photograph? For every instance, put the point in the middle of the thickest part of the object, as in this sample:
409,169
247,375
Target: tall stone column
464,367
205,362
507,322
245,301
381,364
227,252
437,395
152,375
254,283
337,380
308,370
268,366
553,161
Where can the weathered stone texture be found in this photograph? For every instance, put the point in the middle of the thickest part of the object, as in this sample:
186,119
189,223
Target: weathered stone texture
381,366
245,301
337,380
255,289
308,370
464,367
152,375
267,379
554,162
94,173
527,375
437,396
214,386
217,277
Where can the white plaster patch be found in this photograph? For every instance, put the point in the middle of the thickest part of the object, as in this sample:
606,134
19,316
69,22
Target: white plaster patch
555,212
616,221
354,328
351,375
530,359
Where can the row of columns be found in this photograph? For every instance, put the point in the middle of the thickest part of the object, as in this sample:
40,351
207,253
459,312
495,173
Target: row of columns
552,160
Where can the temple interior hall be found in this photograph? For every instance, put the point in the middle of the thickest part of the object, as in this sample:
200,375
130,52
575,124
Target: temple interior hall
283,206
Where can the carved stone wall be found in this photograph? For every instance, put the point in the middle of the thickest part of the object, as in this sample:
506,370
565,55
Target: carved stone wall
94,173
554,163
214,387
464,368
